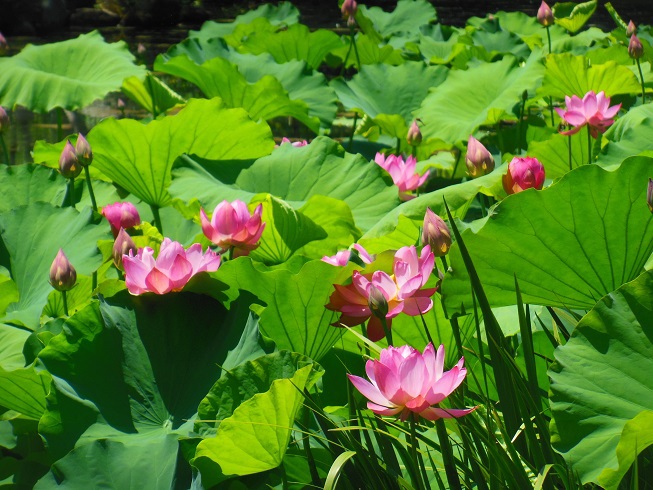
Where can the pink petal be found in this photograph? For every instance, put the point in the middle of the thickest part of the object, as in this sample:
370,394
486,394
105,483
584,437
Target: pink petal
363,254
411,374
416,306
339,259
369,391
380,410
445,413
157,282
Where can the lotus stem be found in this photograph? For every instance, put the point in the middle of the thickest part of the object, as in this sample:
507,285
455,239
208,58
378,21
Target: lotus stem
548,36
388,332
150,87
455,165
65,302
353,131
414,442
5,150
352,31
551,111
426,329
569,141
93,281
59,123
398,147
444,263
447,455
521,124
589,144
90,188
157,217
344,63
641,79
71,192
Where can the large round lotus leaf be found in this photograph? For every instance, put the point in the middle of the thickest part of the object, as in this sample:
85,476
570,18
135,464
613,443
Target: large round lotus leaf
554,153
69,74
572,16
139,157
602,378
629,135
407,17
461,104
568,245
26,184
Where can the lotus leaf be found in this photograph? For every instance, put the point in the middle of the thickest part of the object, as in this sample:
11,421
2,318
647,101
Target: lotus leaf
572,16
406,18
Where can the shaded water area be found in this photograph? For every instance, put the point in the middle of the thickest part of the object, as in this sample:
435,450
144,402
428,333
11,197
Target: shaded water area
146,44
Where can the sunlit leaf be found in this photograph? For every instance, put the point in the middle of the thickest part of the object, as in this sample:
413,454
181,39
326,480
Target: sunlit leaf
572,16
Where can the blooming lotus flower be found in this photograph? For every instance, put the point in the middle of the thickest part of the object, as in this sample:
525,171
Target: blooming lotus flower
171,270
406,382
62,273
69,165
545,15
411,273
649,195
414,136
121,215
124,245
296,144
83,151
635,48
402,173
233,226
523,173
593,110
479,160
435,233
342,258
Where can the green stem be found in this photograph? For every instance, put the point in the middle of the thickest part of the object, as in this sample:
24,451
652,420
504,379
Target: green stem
447,455
570,162
157,217
548,35
521,125
444,263
155,113
93,281
344,63
71,192
230,253
65,302
388,332
414,442
398,148
589,144
551,111
353,41
90,188
641,79
5,150
59,123
353,131
455,165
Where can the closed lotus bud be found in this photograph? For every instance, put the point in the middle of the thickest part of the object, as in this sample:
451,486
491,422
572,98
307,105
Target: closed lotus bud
479,160
83,151
349,8
435,233
635,48
62,273
649,195
523,173
4,120
4,46
377,302
631,29
121,215
68,163
545,15
414,136
121,104
122,246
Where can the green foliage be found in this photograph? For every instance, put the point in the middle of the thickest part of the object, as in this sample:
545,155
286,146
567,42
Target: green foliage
573,16
406,19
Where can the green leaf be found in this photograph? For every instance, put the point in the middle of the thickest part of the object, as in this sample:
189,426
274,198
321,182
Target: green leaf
286,231
407,17
629,135
389,90
294,175
256,436
572,16
139,157
370,52
69,74
553,153
577,240
459,106
568,75
45,229
600,381
26,184
151,94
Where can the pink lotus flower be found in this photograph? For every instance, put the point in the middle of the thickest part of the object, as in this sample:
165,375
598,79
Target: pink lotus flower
635,48
523,173
342,258
402,292
62,273
171,270
545,15
436,234
593,110
296,144
407,383
402,173
479,160
121,215
233,226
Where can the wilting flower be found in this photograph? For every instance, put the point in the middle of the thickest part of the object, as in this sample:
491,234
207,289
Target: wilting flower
62,273
69,165
4,120
342,257
649,195
414,136
83,151
4,45
296,144
233,226
479,160
402,291
593,110
124,245
523,173
545,15
406,382
631,29
435,233
121,215
635,48
171,270
402,173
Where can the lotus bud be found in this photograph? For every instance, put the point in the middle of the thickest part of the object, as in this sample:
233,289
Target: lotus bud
121,215
414,136
68,163
635,48
141,49
545,15
4,120
83,151
122,246
62,273
121,104
435,233
523,173
631,29
649,195
377,302
349,8
4,46
479,160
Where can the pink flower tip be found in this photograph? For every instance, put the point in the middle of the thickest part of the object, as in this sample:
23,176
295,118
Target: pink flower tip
232,226
523,173
121,215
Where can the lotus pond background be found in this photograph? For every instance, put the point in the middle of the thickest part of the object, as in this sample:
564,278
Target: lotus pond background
239,380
